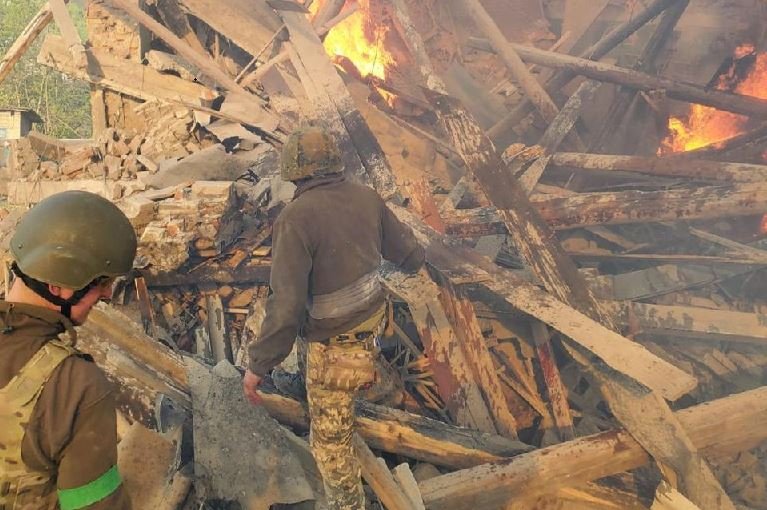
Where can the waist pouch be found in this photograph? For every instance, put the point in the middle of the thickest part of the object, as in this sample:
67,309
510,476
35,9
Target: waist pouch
341,366
347,362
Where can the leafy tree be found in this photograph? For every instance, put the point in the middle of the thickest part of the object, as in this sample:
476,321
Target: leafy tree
63,103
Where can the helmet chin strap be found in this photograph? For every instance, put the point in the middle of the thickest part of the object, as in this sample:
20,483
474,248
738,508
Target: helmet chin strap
42,290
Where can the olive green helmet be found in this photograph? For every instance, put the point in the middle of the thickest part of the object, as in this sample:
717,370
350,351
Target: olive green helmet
309,152
72,238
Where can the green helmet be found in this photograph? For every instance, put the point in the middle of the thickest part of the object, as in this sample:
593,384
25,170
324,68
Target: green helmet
309,152
69,239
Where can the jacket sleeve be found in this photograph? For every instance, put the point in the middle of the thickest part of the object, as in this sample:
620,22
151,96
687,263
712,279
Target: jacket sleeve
399,245
286,306
87,475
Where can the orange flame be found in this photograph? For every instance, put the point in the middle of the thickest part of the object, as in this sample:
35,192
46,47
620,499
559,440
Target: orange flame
361,40
705,125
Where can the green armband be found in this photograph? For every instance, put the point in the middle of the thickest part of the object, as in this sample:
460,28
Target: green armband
90,493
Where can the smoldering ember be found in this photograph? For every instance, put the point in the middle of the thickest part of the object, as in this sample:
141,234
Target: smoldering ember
588,179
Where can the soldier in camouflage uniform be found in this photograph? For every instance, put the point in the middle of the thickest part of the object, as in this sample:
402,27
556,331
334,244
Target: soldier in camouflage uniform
58,426
326,250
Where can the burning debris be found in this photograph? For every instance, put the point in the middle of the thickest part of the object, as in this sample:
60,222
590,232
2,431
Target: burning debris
705,126
596,259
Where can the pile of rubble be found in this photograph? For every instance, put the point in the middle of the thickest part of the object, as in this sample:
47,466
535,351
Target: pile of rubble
592,334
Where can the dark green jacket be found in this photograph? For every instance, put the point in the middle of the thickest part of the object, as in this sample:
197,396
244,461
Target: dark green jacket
331,235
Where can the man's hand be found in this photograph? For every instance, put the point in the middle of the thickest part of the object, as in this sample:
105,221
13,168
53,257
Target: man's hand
250,385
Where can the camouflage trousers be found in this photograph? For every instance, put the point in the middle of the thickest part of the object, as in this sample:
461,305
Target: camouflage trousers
335,374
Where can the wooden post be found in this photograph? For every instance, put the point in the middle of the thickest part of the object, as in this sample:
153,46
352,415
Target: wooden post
41,20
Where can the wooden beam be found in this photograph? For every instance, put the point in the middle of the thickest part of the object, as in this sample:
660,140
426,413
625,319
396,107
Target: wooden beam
560,409
656,258
120,75
22,43
519,72
666,167
557,131
699,324
377,475
717,428
68,31
736,103
327,11
144,367
621,207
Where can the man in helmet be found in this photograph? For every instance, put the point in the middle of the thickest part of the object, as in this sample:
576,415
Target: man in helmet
327,246
58,436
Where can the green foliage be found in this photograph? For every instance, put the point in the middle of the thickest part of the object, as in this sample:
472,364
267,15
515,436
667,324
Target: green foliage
63,103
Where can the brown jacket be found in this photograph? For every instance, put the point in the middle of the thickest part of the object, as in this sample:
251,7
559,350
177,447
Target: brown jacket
73,429
332,234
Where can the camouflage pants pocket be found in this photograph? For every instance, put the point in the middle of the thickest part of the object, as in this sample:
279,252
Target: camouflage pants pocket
341,367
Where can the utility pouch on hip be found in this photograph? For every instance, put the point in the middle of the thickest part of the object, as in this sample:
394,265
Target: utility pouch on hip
342,367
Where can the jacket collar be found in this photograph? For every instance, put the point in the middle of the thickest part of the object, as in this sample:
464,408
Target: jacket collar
34,320
316,182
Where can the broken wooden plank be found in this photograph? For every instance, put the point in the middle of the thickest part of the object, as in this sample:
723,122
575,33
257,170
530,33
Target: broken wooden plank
453,373
462,315
557,131
699,324
174,18
120,75
68,31
377,475
22,43
621,207
667,167
556,391
405,478
720,427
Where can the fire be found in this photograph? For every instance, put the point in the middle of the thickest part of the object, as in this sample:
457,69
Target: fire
361,40
705,125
